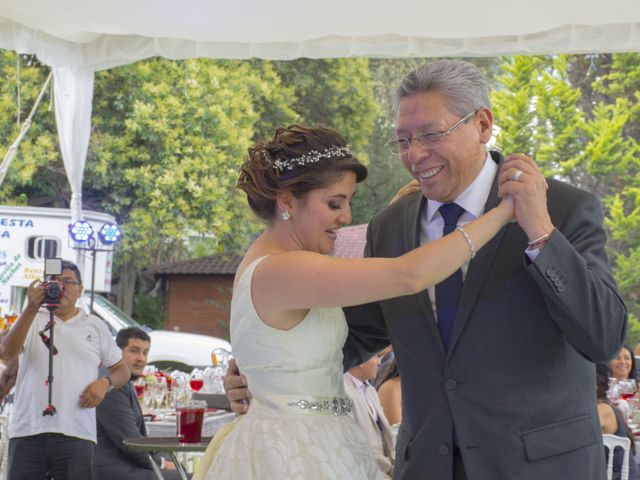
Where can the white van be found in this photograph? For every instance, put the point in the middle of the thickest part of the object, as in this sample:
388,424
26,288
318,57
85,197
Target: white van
28,235
168,349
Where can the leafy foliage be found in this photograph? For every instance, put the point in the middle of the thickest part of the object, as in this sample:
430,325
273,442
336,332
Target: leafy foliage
167,141
168,137
37,169
583,128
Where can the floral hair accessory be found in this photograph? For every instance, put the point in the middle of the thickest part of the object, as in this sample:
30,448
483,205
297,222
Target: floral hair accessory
312,157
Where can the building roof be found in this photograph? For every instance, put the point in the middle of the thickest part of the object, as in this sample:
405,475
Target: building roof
219,264
349,244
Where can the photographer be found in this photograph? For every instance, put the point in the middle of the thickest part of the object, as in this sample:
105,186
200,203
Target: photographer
61,445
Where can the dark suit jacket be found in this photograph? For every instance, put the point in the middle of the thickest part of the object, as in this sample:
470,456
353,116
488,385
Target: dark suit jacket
517,380
119,416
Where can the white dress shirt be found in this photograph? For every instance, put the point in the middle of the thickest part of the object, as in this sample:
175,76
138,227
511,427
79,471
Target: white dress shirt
472,200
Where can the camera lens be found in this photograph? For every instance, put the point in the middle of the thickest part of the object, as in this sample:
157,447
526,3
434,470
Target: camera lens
52,290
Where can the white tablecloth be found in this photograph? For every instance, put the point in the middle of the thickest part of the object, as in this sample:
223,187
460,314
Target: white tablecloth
167,427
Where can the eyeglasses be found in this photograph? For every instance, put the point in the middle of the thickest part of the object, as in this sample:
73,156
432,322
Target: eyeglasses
400,146
68,282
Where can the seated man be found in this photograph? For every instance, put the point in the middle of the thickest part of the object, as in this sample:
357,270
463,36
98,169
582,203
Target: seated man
368,413
119,416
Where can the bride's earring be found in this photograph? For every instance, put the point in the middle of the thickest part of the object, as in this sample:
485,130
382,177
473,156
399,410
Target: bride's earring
285,215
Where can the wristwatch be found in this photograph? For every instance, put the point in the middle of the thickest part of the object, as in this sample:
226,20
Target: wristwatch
108,377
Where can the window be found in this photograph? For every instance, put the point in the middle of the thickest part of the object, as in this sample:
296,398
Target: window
39,248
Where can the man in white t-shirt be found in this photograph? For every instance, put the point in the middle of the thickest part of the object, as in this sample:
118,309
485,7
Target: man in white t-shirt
61,445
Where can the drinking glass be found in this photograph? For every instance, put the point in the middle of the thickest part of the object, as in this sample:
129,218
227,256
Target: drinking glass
160,391
209,380
138,386
627,388
179,386
149,394
196,380
189,420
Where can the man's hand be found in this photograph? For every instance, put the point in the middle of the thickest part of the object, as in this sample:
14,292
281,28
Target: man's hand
94,393
521,178
35,295
235,385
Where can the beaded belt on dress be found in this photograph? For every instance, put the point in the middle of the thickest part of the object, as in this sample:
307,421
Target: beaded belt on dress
335,405
299,404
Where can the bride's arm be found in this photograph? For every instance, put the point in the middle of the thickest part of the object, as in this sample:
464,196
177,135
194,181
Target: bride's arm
301,280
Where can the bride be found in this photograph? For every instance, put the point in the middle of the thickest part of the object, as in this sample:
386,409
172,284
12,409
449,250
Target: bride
287,327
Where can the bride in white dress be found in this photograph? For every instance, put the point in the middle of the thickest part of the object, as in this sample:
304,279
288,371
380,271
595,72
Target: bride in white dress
287,326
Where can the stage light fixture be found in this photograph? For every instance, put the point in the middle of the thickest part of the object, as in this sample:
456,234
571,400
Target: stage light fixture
81,231
109,233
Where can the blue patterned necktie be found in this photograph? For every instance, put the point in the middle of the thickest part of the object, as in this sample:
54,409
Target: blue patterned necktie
448,291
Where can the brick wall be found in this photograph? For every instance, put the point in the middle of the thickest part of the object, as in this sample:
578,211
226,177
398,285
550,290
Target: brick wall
199,304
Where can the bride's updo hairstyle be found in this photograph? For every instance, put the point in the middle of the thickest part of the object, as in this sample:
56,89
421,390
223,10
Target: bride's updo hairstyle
298,159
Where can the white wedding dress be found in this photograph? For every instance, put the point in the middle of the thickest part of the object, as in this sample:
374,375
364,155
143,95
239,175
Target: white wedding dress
277,439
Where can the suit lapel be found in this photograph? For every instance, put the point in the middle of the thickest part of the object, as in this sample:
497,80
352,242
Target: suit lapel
412,218
479,267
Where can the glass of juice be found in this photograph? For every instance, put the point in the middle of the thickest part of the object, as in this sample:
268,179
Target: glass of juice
196,380
189,419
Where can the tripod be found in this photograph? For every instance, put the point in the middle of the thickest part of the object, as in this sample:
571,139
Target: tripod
48,341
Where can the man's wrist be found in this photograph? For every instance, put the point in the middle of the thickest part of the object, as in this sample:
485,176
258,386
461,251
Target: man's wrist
538,243
109,382
32,307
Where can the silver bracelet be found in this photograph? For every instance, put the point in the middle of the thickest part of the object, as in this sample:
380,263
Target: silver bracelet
539,239
468,239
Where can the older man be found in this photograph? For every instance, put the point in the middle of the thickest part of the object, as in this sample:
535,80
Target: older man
119,417
497,360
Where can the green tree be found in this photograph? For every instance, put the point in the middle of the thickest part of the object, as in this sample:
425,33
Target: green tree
537,113
577,115
37,170
168,141
337,93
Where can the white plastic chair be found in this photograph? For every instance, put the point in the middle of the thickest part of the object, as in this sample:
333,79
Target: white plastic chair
612,442
4,447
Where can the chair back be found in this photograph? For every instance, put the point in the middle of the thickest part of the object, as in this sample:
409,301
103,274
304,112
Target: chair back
4,447
612,442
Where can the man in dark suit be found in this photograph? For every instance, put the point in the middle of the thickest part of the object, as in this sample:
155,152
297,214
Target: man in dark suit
497,360
119,416
500,384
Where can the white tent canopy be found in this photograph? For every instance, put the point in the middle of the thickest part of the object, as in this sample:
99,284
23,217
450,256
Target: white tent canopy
103,34
78,37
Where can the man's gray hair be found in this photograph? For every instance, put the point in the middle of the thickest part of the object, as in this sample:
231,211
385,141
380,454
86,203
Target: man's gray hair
462,83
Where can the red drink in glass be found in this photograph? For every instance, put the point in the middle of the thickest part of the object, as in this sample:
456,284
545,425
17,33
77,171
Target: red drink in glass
139,391
196,384
189,422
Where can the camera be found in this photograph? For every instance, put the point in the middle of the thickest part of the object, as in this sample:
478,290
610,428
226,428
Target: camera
53,289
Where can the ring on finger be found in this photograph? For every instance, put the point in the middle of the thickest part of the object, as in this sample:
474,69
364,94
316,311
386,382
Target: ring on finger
516,175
